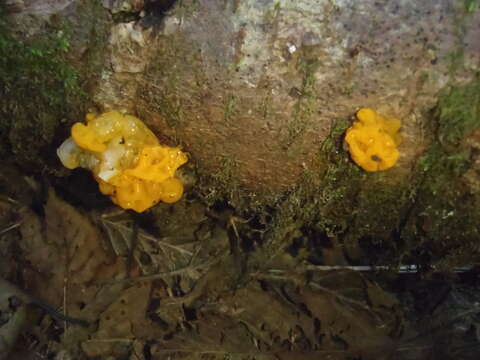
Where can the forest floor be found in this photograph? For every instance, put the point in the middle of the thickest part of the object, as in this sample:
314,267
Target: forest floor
180,283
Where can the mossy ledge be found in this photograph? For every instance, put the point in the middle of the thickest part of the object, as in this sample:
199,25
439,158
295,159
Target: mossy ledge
429,217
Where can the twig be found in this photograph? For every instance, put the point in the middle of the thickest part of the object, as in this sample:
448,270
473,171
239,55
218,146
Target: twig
403,269
11,227
246,353
65,284
111,340
8,289
8,199
232,223
113,214
133,246
413,347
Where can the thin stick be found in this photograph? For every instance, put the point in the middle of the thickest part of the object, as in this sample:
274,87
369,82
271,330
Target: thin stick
11,227
8,289
65,284
111,340
250,353
403,269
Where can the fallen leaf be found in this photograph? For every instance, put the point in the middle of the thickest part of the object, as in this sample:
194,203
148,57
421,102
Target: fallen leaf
121,323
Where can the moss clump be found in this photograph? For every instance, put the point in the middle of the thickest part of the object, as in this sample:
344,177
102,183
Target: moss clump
358,209
171,109
429,217
471,6
305,106
38,88
338,202
443,222
230,106
223,185
458,114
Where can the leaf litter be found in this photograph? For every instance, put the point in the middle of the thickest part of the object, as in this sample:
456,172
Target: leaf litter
177,284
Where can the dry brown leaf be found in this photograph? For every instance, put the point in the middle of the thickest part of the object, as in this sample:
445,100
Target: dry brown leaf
65,253
121,323
347,323
170,220
81,256
45,268
268,319
153,255
81,240
214,337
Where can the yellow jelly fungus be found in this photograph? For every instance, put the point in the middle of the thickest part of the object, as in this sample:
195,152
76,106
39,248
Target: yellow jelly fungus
172,190
372,140
157,163
126,159
85,138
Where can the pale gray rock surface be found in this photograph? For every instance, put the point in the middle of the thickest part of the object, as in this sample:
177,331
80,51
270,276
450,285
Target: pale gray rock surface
256,86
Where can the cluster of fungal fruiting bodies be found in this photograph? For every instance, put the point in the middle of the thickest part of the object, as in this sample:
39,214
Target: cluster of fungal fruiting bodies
136,171
126,159
372,140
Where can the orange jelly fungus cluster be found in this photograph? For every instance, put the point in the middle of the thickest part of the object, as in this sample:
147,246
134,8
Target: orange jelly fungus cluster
126,159
372,140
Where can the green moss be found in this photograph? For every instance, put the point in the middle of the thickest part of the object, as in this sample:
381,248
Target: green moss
265,107
471,6
445,217
185,8
223,184
305,106
429,217
171,108
230,108
356,205
458,113
271,14
38,89
226,174
93,26
463,16
124,17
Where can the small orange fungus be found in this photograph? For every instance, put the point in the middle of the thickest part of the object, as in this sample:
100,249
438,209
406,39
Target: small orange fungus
126,159
372,140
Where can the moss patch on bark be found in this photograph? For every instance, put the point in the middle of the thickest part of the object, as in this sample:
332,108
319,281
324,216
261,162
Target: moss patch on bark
44,83
429,217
